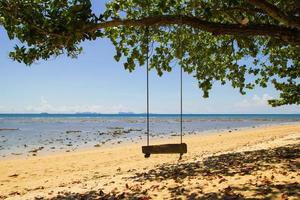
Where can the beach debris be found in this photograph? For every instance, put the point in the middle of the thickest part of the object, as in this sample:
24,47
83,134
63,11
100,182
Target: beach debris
13,175
117,132
69,144
131,170
126,131
36,150
14,193
9,129
76,182
16,154
135,129
100,133
115,127
62,185
97,145
39,188
73,131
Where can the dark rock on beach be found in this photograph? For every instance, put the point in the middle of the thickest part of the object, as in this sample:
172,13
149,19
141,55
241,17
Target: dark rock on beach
36,150
73,131
9,129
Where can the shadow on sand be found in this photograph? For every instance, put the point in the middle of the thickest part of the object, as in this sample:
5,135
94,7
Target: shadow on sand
219,167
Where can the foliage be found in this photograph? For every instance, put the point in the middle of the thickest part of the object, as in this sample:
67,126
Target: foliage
212,40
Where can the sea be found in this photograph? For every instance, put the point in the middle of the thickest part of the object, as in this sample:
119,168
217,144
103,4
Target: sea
35,134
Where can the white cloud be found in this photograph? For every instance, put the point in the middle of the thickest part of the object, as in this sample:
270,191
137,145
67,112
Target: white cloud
4,109
45,106
255,101
259,104
261,100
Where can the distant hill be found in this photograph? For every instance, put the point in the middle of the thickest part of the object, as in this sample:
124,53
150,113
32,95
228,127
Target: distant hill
126,113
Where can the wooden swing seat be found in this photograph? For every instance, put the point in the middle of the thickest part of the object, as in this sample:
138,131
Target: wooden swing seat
164,149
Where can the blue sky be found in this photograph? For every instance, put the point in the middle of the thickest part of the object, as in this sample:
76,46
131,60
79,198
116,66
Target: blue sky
95,82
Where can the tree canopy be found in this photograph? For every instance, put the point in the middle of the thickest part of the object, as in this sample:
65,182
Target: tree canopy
241,42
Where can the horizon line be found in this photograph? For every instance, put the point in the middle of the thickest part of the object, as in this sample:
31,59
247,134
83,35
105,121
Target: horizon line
132,113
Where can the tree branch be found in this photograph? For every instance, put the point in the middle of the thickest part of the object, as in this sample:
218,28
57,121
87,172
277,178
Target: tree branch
289,35
275,13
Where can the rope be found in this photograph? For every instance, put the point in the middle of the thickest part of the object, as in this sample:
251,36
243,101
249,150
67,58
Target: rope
147,69
181,127
147,66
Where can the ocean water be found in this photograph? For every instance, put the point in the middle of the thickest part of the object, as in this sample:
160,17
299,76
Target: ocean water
22,133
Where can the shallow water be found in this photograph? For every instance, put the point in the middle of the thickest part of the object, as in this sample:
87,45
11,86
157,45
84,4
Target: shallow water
20,134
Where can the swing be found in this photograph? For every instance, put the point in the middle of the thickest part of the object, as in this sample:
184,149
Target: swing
177,148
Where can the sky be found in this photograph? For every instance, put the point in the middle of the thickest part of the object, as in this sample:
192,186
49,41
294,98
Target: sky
95,82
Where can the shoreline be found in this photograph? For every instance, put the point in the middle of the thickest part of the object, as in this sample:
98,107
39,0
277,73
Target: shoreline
138,140
109,168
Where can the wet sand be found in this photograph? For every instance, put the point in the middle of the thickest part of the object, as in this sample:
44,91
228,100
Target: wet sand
254,162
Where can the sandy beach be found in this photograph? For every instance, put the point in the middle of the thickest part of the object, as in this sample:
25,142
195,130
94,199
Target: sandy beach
255,163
